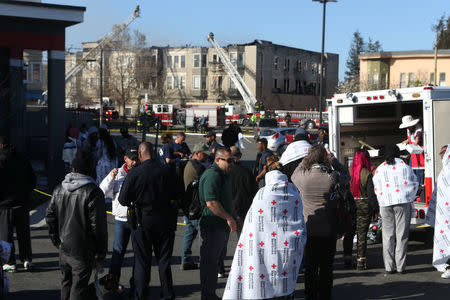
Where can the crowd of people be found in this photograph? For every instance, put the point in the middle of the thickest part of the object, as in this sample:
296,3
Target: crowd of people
288,213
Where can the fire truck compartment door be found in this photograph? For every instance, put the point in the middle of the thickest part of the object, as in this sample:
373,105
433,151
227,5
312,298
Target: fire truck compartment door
345,115
212,118
189,117
441,132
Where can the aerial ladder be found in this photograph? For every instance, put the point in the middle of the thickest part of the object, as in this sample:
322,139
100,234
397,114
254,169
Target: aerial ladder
94,52
237,79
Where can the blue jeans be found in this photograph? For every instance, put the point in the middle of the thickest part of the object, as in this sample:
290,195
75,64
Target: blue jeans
122,234
190,232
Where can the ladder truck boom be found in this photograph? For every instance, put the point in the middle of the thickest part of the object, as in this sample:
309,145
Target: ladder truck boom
94,52
237,79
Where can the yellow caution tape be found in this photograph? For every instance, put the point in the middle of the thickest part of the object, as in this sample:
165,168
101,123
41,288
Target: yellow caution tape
423,226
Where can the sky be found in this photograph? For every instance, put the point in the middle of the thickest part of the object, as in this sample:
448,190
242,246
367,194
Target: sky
397,24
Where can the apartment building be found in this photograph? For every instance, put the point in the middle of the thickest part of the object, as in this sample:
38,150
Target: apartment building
279,76
399,69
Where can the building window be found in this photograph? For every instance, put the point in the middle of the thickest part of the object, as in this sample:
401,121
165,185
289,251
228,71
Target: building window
183,61
305,66
410,79
169,61
36,72
176,82
232,85
196,82
203,60
441,79
214,58
233,58
383,81
286,86
169,82
286,64
299,65
182,82
240,60
402,80
275,63
275,83
375,79
313,69
197,61
432,78
176,62
203,83
128,111
90,83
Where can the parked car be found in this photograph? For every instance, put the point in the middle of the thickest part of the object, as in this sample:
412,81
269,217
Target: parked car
264,124
276,137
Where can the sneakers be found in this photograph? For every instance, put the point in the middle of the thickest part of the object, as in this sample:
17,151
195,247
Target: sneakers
189,266
446,273
361,264
221,275
27,265
9,268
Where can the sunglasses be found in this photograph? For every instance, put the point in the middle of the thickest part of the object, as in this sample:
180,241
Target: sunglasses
229,160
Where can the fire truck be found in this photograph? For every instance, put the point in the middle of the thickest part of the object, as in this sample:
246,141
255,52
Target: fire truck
214,114
165,112
372,118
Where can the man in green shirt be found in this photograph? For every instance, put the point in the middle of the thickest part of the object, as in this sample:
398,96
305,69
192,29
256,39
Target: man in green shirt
216,221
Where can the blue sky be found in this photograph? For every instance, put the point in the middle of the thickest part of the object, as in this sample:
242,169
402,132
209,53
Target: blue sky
397,24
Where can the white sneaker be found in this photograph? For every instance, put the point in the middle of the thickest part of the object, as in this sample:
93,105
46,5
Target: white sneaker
220,275
27,265
446,274
9,268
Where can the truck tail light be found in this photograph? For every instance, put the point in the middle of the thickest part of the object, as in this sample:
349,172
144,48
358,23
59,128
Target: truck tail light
428,88
381,97
277,135
422,214
417,214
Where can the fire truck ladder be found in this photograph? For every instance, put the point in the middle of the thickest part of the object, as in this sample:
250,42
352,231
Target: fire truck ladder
94,52
237,79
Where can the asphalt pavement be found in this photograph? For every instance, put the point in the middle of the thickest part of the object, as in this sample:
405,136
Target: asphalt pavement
421,281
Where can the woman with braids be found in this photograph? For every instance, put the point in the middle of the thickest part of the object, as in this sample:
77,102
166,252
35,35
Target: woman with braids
106,154
395,185
361,186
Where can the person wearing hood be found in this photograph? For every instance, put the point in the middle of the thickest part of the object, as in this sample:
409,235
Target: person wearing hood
76,219
295,152
438,215
111,186
270,249
396,186
106,154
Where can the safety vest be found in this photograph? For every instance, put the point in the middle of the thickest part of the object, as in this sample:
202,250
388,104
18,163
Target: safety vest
417,160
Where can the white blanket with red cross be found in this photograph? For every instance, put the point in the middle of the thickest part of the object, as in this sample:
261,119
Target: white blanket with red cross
270,250
395,184
441,249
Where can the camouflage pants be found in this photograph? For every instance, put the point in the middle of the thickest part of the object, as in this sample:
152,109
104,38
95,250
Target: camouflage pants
364,213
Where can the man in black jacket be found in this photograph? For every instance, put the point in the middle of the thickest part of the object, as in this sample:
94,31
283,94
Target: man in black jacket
150,188
76,218
17,180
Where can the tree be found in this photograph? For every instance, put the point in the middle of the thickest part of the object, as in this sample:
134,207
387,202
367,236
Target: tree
443,30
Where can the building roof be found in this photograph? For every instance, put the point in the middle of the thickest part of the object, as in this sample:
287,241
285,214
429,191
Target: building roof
42,11
398,54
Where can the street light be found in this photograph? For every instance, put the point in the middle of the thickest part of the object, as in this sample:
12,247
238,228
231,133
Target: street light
322,57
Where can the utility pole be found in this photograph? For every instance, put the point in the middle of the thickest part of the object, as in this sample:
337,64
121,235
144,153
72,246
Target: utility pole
101,87
435,59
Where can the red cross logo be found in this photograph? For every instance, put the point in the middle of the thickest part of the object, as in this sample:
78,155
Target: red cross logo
273,266
295,262
262,276
442,250
240,245
260,211
446,221
387,185
397,190
442,231
375,189
297,233
261,244
240,278
446,203
251,268
406,182
286,243
381,193
376,171
274,202
285,211
274,234
393,168
402,162
284,273
296,202
250,235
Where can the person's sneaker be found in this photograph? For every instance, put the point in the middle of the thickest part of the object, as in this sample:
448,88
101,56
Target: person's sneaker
189,266
221,275
446,274
9,268
361,264
27,265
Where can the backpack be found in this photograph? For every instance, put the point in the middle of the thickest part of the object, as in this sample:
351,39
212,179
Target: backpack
179,174
346,208
191,205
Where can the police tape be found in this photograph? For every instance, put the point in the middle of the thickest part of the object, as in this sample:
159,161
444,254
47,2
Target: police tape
108,212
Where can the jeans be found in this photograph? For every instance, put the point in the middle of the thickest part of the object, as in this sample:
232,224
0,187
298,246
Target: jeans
75,277
121,238
190,233
319,256
212,241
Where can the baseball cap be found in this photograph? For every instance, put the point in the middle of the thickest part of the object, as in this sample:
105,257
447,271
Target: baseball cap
210,133
132,153
201,148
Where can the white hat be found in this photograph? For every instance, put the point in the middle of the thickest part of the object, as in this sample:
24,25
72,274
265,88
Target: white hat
294,151
408,121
